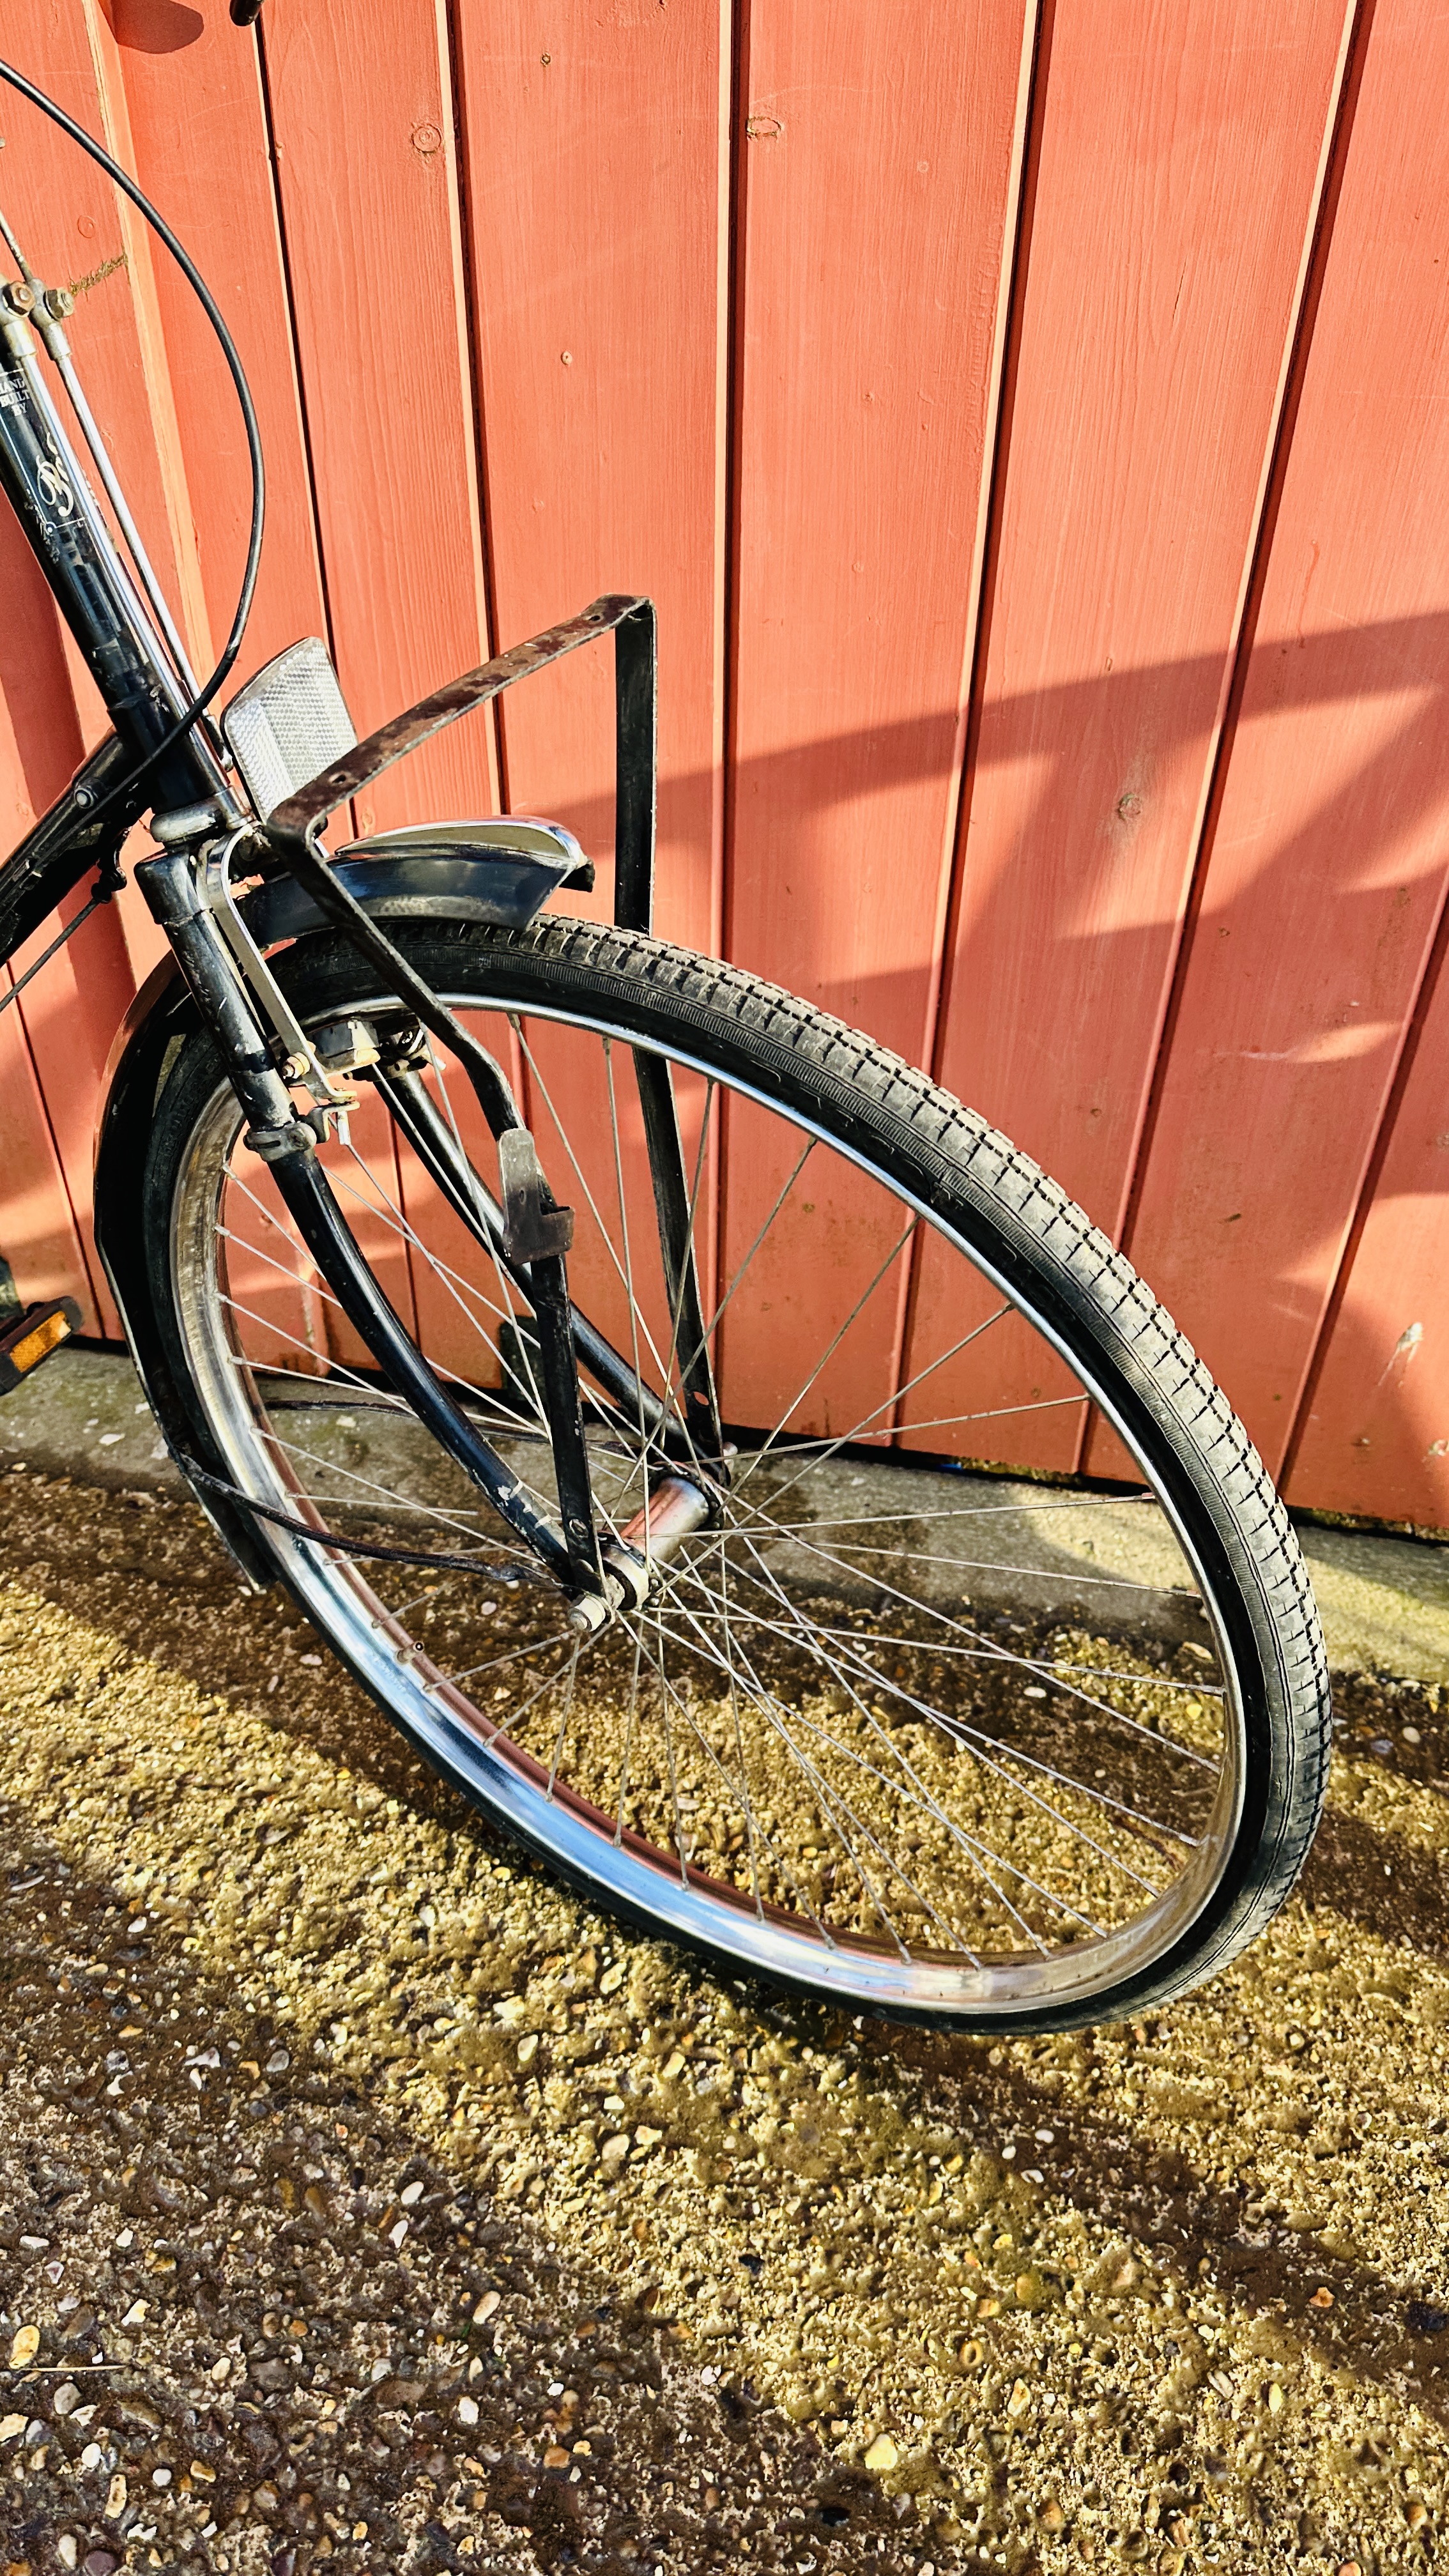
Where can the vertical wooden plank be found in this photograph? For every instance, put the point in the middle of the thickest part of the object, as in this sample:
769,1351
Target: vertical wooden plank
55,1038
1161,294
279,1314
1375,1433
285,1317
462,1301
597,161
38,1232
362,1168
1327,871
882,165
459,1300
362,109
198,125
39,729
596,152
878,199
78,231
70,1014
39,747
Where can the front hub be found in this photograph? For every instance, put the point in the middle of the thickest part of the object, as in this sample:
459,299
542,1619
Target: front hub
674,1511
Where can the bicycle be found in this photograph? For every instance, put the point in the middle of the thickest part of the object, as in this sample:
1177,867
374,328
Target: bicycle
619,1359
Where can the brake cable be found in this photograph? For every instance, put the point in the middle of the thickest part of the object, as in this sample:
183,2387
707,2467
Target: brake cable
507,1572
124,788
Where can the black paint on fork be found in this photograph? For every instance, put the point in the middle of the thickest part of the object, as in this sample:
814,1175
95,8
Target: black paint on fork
476,1208
327,1236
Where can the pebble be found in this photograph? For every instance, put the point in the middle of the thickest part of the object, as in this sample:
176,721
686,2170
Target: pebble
1077,2270
467,2410
67,2549
11,2427
66,2398
24,2345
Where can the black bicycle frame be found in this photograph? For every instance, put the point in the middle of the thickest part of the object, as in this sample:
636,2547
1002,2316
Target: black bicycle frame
71,542
193,807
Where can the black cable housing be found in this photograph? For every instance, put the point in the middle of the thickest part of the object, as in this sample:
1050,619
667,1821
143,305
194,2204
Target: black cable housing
124,790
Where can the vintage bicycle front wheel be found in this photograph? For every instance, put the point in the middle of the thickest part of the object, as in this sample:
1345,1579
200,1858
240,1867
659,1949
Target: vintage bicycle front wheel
930,1724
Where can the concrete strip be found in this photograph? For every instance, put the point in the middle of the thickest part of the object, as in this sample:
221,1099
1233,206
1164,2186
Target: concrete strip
1384,1600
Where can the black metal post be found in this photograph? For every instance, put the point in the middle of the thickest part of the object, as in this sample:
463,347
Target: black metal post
636,698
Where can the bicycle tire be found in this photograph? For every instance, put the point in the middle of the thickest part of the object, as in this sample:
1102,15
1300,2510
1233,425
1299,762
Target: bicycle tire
986,1202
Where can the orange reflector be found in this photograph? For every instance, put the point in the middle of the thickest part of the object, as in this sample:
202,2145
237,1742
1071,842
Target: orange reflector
35,1345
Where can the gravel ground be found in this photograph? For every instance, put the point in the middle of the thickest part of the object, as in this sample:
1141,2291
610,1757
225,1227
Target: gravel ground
364,2198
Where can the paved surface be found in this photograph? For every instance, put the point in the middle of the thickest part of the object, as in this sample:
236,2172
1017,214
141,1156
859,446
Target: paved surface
1384,1599
364,2199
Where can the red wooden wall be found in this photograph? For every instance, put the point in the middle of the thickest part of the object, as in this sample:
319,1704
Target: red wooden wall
1032,420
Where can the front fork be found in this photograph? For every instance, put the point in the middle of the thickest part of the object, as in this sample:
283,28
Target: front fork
529,1230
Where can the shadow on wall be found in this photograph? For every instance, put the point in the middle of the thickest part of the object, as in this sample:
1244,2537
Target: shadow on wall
154,26
1280,1072
1353,830
1097,939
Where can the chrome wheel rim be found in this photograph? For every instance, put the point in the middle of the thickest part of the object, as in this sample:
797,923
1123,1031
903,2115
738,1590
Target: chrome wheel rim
885,1933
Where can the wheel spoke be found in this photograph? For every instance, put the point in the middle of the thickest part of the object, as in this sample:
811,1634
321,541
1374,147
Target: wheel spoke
986,1650
892,1402
810,1743
828,1354
952,1727
830,1799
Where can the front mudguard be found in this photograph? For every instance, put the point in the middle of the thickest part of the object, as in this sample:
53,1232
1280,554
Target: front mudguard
161,1018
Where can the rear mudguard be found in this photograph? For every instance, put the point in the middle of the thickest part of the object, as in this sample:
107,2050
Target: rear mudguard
161,1016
